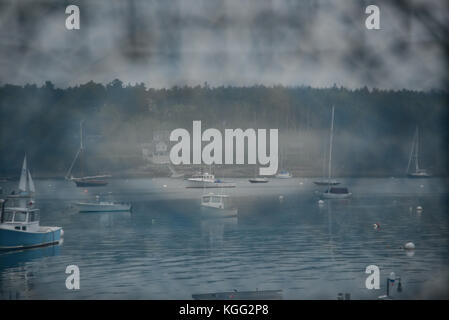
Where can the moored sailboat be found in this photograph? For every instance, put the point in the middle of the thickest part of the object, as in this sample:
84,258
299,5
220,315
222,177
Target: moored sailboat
414,157
333,192
85,181
26,184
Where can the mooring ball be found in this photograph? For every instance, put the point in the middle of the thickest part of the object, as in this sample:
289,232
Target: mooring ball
320,202
409,246
419,208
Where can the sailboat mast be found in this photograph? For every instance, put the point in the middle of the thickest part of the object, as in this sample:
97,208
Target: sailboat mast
81,148
417,150
330,145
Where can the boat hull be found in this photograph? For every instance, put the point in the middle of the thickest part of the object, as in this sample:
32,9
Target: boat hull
23,195
217,212
208,184
326,183
92,207
419,175
17,239
326,195
284,176
257,180
90,183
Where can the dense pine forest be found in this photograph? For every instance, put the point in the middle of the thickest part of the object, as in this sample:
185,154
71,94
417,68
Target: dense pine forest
373,128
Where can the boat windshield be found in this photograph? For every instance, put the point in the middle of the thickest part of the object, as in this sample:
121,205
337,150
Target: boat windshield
34,216
216,199
7,216
20,216
339,190
206,199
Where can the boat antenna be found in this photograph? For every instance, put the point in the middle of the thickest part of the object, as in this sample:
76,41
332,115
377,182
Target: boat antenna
3,210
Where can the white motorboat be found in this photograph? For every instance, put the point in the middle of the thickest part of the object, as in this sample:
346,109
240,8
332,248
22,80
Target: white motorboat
207,180
217,205
102,206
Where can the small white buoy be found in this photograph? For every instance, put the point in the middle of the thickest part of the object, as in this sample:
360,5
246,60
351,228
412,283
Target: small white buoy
281,198
376,226
301,183
409,246
421,186
165,186
418,208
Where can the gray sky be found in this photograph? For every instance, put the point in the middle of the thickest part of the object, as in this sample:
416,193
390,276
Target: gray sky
223,42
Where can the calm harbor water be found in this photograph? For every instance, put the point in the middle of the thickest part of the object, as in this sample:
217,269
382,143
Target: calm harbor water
163,249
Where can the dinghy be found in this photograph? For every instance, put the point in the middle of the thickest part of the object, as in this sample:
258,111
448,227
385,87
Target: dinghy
258,180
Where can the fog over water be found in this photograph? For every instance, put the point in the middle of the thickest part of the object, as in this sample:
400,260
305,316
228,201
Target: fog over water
165,43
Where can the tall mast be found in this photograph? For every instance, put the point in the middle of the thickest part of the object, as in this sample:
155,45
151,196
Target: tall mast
417,150
81,148
330,146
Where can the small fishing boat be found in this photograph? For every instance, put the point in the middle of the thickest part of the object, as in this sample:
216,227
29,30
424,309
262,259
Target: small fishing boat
284,174
102,206
213,205
414,157
85,181
336,193
20,229
26,184
207,180
258,180
241,295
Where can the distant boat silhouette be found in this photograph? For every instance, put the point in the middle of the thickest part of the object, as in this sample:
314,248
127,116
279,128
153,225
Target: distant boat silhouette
328,181
334,192
414,157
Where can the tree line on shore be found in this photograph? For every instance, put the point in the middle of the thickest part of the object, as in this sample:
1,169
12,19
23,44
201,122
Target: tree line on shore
373,131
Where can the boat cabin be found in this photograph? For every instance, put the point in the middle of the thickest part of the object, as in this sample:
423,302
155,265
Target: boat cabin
338,190
203,176
24,219
216,201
